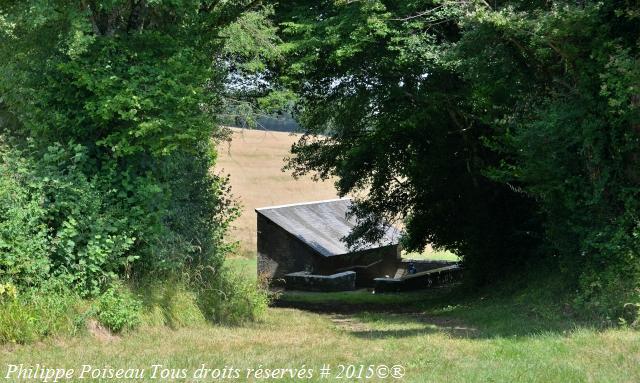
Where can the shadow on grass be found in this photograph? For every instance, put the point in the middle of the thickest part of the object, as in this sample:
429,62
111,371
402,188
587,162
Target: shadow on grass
384,334
379,326
451,311
350,302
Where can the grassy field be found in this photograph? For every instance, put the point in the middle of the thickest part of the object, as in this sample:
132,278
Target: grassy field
440,335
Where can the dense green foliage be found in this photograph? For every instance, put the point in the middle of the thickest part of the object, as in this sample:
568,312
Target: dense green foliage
389,115
118,111
57,223
506,132
108,117
117,309
567,115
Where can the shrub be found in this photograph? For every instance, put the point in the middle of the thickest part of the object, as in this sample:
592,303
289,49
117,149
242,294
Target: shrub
118,309
56,221
610,293
229,297
90,239
573,149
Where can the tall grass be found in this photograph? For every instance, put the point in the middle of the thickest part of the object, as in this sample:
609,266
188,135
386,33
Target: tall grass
231,297
202,298
34,315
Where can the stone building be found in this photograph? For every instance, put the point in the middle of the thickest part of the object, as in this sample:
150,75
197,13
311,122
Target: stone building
309,237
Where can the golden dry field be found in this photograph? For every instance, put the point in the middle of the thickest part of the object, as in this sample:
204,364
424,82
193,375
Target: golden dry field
254,160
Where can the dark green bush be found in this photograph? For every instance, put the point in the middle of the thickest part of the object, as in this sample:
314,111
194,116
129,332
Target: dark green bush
565,116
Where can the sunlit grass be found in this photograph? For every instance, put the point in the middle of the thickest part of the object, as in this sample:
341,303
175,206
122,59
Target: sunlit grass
247,266
433,347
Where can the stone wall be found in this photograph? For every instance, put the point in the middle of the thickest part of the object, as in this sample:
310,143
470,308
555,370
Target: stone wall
368,264
312,282
280,253
421,280
421,265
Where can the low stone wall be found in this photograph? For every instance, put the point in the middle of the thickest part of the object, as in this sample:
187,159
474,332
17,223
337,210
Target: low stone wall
303,280
421,280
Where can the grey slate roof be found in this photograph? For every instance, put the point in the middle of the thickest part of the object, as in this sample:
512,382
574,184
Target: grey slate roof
322,225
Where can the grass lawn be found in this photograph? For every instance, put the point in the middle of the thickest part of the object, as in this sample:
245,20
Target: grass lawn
473,340
439,335
245,265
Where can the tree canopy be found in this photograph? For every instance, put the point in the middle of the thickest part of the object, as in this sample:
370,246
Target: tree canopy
109,109
505,131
